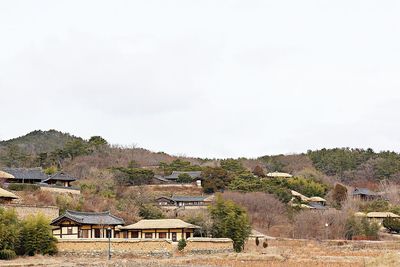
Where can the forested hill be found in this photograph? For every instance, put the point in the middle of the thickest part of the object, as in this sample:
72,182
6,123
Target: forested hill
62,150
39,141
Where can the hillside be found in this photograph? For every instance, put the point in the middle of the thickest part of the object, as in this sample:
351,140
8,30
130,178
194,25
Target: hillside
39,141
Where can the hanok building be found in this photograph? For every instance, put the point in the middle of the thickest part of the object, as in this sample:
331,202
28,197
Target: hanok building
182,201
173,177
35,176
60,179
171,229
365,194
77,224
24,175
7,197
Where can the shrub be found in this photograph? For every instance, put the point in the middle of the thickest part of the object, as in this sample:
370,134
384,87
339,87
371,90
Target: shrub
357,228
148,211
9,229
7,254
257,241
184,178
230,220
23,187
181,244
265,244
392,224
36,237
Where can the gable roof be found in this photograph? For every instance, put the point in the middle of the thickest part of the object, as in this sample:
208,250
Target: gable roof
175,175
26,173
60,176
7,194
98,218
187,198
363,191
160,224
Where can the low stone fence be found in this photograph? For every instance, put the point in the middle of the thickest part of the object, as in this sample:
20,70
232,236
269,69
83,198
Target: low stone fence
99,246
61,190
149,247
200,245
23,210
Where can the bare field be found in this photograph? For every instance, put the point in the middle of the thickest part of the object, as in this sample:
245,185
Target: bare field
286,253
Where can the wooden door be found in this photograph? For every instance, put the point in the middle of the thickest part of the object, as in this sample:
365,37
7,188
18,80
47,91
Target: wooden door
173,237
96,233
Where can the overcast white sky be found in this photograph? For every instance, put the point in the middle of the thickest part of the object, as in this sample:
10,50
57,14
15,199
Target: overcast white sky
204,78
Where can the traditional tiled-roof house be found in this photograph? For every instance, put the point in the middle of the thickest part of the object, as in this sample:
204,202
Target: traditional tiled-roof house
60,178
6,196
77,224
365,194
171,229
24,175
181,201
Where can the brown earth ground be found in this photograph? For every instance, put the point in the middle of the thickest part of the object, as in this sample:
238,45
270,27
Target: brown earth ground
278,253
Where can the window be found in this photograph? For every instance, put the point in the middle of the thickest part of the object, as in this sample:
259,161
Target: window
135,234
148,235
162,235
69,230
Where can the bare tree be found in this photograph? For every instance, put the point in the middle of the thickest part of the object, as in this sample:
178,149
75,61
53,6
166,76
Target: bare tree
265,210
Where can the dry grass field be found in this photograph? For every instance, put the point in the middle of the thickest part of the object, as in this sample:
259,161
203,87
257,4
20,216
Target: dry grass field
278,254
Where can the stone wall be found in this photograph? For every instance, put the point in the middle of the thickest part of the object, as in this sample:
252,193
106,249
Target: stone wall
51,212
61,190
208,245
153,247
99,246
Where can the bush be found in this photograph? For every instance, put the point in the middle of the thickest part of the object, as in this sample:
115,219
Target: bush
181,244
392,224
23,187
36,237
357,228
7,254
148,211
230,220
184,178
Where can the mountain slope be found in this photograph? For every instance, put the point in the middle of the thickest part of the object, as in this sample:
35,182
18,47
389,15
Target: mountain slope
39,141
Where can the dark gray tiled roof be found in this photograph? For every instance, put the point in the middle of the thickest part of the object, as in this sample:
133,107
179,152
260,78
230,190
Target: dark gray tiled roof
185,198
96,218
317,206
363,191
175,174
27,173
60,176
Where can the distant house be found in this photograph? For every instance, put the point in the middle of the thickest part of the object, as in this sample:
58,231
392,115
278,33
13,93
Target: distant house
365,194
60,178
6,196
182,201
24,175
173,177
77,224
279,175
376,216
171,229
304,202
35,176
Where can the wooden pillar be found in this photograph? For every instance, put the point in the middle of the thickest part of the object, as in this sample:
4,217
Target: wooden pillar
169,233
